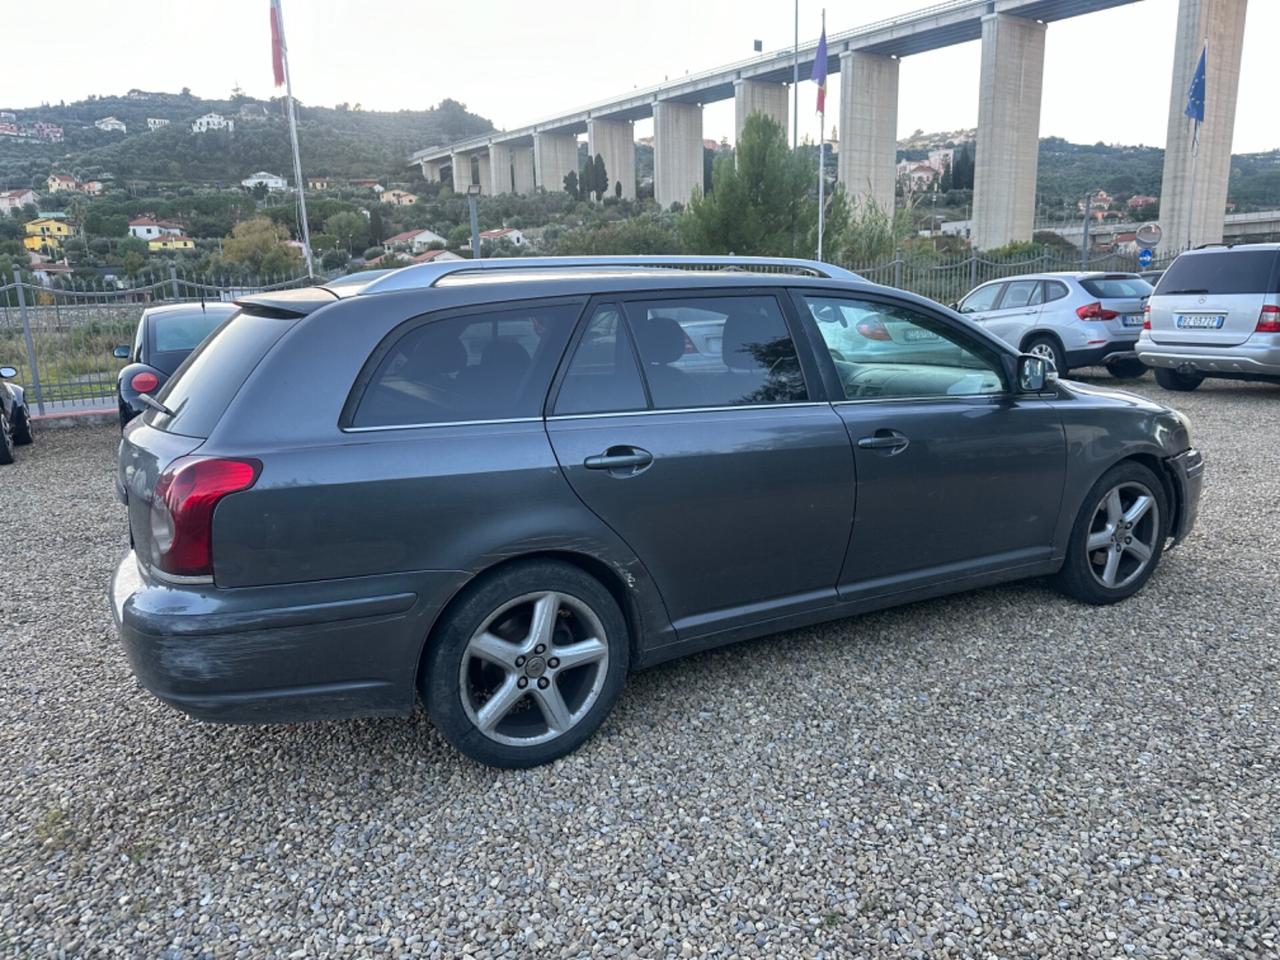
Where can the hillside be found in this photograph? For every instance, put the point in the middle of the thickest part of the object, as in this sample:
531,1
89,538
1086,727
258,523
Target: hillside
340,141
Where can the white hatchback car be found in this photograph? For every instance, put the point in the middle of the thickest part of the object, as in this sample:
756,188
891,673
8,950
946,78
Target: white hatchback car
1075,319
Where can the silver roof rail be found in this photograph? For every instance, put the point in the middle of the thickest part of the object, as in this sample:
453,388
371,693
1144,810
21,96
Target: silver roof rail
423,275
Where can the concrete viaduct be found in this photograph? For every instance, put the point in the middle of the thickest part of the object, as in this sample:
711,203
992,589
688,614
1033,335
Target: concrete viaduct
1012,33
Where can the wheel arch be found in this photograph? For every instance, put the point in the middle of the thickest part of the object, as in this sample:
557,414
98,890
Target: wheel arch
1037,332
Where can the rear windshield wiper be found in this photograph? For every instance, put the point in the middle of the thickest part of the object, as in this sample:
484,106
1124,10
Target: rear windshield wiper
155,404
1174,293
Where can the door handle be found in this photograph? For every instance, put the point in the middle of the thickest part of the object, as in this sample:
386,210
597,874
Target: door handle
887,442
620,461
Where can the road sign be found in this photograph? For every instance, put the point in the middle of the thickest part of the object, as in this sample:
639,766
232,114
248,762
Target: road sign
1148,236
1145,257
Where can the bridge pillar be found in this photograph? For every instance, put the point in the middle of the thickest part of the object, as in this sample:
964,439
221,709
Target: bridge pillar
499,178
869,128
677,152
614,140
554,155
522,169
760,96
1008,154
1192,214
462,173
431,171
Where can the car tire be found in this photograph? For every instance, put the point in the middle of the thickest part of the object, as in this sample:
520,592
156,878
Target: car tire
1102,545
1049,348
483,678
6,441
22,428
1128,369
1173,380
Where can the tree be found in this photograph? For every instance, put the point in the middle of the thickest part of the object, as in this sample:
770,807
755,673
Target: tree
617,189
587,180
571,183
645,234
376,229
260,246
600,178
350,229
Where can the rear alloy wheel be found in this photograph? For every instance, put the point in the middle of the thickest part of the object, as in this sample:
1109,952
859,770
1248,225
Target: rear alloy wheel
1048,349
1128,369
1118,538
527,666
6,440
1173,380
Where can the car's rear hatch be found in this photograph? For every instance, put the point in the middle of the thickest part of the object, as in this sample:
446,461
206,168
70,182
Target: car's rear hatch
1122,294
1214,297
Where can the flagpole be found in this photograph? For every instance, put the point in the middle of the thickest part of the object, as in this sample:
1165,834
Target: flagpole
293,138
1195,153
822,146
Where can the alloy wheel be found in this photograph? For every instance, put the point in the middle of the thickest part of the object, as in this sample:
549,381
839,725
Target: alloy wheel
1123,534
534,668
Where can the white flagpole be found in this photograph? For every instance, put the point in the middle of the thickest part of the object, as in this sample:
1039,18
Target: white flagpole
822,145
293,138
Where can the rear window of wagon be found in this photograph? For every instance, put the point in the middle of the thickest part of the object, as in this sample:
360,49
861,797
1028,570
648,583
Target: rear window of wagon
1222,272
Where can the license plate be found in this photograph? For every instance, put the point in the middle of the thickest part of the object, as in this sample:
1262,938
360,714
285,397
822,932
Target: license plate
1202,321
911,336
1132,319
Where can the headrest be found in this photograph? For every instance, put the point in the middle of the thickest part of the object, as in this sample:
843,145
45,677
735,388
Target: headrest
660,339
434,356
744,337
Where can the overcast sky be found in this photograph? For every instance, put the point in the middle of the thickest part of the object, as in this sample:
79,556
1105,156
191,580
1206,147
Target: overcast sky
1107,75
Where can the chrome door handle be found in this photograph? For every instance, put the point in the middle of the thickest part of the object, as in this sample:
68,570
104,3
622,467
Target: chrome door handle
620,461
885,441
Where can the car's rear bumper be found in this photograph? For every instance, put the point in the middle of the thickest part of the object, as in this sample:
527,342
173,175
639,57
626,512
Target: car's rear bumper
1101,353
1187,473
279,654
1256,357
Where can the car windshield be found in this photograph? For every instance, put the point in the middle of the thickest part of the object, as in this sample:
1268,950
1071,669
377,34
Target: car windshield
1222,272
1115,288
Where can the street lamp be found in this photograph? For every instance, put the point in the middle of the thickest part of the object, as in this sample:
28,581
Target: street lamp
473,199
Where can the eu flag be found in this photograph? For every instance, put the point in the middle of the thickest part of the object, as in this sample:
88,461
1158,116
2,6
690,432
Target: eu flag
1195,96
819,75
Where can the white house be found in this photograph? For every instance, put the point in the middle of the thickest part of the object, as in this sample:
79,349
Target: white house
155,123
148,228
268,180
510,234
16,199
416,240
110,124
211,121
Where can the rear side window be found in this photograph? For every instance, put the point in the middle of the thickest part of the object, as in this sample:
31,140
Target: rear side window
1054,290
481,366
201,389
1116,288
1221,272
716,352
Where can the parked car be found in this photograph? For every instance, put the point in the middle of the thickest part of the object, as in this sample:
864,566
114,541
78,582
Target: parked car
498,487
1074,319
165,336
1216,313
15,416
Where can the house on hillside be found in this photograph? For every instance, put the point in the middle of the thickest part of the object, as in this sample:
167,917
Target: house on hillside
1142,200
16,199
253,111
510,234
155,123
92,187
415,240
46,233
271,181
110,125
170,242
43,130
915,175
212,121
58,182
431,256
366,184
399,198
321,183
146,228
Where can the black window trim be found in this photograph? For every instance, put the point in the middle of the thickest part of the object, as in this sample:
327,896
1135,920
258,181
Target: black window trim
407,326
566,360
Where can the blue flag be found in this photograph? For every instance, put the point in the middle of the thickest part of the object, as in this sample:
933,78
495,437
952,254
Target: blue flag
1195,96
819,75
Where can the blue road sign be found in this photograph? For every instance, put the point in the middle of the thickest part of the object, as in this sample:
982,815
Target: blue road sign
1145,257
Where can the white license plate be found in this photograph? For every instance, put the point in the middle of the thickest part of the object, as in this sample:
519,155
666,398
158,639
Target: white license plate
1132,319
1202,321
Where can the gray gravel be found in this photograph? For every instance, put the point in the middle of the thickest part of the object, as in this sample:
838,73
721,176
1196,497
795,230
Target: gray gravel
1000,774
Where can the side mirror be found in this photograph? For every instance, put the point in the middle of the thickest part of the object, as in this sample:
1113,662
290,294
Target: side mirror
8,372
1035,373
120,353
955,306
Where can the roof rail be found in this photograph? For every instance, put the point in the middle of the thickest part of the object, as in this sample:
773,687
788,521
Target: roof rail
423,275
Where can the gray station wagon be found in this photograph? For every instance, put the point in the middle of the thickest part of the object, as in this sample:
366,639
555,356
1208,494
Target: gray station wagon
503,485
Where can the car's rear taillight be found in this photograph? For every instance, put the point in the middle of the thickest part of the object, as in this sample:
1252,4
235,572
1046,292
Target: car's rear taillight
689,345
144,382
873,329
1269,319
1146,317
1095,311
182,510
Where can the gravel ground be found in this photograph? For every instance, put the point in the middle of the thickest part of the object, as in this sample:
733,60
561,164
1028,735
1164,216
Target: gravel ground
999,774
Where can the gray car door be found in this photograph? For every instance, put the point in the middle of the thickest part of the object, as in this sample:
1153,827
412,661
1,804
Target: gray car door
729,479
956,474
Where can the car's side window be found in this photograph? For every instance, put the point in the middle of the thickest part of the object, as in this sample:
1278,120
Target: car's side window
602,376
1021,293
886,350
1054,290
716,352
984,298
495,365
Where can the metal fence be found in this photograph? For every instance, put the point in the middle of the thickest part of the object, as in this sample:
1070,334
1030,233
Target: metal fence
60,334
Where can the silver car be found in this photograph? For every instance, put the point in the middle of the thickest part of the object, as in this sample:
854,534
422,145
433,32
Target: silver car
1215,313
1075,319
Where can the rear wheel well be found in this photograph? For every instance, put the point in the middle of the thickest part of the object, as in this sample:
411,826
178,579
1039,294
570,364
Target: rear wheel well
609,578
1036,335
